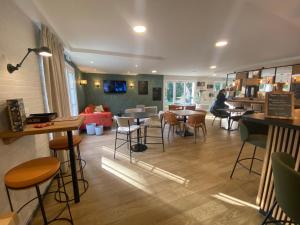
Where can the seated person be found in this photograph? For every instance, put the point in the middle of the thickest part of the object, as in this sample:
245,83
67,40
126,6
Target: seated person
220,104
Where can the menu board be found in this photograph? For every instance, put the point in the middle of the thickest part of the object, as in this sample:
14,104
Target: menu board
283,75
280,105
268,72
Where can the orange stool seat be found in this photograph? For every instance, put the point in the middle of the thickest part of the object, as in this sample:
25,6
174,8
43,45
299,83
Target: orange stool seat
61,143
31,173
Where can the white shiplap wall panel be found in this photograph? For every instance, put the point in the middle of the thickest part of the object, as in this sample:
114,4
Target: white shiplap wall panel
17,33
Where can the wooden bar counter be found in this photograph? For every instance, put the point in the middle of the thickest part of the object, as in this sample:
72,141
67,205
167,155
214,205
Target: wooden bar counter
283,136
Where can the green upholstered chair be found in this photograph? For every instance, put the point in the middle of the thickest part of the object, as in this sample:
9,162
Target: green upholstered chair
254,134
287,186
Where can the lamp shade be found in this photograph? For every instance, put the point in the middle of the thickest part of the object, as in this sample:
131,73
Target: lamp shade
44,51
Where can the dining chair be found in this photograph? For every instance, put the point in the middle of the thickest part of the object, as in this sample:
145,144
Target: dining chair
125,126
175,107
190,107
204,112
151,109
155,122
133,110
141,107
171,120
237,118
287,186
195,122
254,134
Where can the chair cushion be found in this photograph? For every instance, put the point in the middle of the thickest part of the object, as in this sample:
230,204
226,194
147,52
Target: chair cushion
89,109
31,173
259,140
61,143
125,130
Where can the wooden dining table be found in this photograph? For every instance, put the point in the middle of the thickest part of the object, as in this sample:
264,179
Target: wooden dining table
59,125
184,114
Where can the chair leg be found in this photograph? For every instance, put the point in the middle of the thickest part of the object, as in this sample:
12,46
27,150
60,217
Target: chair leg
41,204
145,135
9,199
203,131
269,213
195,134
116,143
237,159
252,159
130,152
169,132
162,138
81,168
220,122
213,121
67,202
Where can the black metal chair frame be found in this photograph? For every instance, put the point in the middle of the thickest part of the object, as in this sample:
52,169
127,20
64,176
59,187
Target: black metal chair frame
40,198
238,161
82,179
155,137
128,140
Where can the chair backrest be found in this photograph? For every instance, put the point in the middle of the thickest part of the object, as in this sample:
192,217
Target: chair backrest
124,121
190,107
201,111
140,106
175,107
170,118
133,110
151,109
196,120
286,184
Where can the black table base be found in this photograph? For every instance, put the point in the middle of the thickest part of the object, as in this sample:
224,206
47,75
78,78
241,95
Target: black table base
138,147
185,133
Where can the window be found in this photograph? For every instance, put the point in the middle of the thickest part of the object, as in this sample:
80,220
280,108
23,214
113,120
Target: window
179,92
71,82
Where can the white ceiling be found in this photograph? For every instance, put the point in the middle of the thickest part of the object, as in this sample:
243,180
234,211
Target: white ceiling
180,34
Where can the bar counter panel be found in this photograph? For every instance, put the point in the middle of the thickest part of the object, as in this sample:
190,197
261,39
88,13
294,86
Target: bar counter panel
283,136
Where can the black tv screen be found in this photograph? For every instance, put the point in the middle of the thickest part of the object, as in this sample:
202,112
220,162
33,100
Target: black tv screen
114,86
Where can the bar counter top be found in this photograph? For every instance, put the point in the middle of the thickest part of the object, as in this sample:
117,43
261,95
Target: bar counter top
286,123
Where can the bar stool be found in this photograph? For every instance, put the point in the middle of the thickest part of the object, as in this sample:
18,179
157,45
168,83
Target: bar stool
31,174
255,135
59,144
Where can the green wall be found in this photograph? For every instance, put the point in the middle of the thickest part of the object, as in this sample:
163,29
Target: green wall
119,102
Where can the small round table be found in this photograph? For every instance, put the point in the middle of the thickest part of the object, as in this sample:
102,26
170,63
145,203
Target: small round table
139,147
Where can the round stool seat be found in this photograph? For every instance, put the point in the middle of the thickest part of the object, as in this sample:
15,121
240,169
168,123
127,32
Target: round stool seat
31,173
61,143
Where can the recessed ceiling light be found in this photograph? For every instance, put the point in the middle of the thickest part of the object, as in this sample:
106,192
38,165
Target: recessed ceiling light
213,67
139,29
214,75
91,62
221,43
154,71
136,65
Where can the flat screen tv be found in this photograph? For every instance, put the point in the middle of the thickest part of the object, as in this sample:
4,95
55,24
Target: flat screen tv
114,86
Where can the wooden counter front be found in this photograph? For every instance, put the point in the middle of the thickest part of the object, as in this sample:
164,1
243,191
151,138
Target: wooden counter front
283,136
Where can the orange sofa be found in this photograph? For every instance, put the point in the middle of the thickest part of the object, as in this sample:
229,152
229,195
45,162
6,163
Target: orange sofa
100,118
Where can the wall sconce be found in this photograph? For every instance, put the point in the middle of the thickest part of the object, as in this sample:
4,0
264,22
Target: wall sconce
43,51
83,82
97,84
131,84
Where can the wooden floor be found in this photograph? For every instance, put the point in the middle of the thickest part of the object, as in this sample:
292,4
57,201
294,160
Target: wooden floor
187,184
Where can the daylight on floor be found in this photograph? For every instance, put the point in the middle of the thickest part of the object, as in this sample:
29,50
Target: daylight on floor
149,112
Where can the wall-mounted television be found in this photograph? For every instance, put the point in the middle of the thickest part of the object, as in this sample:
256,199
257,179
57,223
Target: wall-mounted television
114,86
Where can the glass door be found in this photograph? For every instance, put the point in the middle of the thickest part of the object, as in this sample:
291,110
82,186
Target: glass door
71,82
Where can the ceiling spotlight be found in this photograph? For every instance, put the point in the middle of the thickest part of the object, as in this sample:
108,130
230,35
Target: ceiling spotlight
139,29
214,75
154,71
221,43
91,62
136,65
213,67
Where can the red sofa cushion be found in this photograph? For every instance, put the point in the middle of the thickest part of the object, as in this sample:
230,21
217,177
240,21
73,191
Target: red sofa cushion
89,109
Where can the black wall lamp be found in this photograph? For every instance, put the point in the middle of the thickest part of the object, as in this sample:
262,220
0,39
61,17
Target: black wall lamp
43,51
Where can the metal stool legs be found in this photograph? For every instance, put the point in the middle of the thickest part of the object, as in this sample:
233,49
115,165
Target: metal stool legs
41,204
237,160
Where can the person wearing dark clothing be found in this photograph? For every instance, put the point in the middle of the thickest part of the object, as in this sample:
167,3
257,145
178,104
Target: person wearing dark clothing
220,104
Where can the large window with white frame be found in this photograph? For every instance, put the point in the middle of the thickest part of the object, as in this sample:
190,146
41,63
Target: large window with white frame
179,92
71,82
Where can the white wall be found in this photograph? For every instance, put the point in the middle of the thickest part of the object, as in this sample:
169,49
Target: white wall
205,100
17,33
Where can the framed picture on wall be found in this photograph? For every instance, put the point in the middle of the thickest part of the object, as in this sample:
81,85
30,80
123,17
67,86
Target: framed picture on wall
143,87
210,86
156,94
200,84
